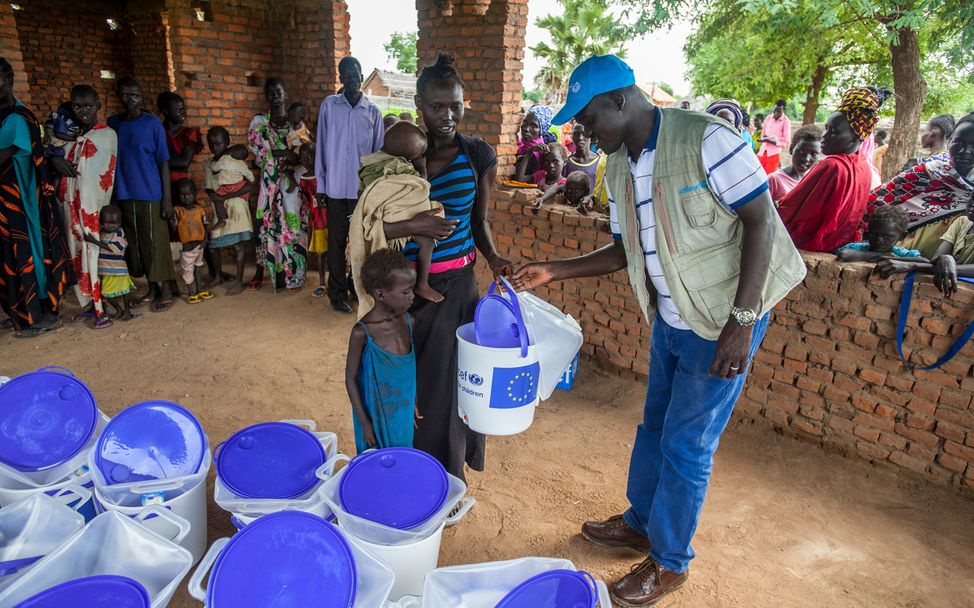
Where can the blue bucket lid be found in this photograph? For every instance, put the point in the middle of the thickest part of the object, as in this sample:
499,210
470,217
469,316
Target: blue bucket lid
270,460
416,480
46,418
495,324
149,441
555,588
289,559
103,591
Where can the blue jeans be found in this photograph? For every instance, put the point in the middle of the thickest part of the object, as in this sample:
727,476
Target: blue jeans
686,411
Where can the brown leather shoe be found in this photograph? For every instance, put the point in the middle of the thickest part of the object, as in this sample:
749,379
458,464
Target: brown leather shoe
646,584
615,532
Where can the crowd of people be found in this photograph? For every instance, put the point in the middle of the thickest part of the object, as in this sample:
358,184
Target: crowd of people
829,194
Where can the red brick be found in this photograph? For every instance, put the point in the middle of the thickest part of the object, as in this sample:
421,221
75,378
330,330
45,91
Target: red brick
961,451
958,465
925,438
908,462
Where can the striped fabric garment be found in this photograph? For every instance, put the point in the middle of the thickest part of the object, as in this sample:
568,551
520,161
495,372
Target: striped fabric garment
113,262
734,175
456,188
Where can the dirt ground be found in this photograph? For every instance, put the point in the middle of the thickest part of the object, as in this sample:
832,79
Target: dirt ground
785,524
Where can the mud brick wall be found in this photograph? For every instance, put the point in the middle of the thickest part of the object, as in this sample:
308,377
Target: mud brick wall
64,44
827,372
487,39
11,51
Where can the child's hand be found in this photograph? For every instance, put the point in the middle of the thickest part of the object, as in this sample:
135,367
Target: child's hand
543,148
416,417
536,206
368,434
586,204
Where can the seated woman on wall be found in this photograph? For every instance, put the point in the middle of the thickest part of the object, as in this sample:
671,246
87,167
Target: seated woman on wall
932,192
823,212
954,256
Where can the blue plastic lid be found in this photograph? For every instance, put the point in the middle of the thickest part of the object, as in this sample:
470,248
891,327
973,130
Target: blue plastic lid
397,487
103,591
270,460
495,324
288,559
556,589
46,418
148,441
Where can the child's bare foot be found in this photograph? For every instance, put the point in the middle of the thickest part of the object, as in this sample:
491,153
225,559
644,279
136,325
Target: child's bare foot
128,315
235,288
426,292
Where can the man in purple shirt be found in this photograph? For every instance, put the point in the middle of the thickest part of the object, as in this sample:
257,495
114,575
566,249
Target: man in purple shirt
349,127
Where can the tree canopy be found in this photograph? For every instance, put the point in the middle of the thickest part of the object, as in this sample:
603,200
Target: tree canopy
402,48
584,28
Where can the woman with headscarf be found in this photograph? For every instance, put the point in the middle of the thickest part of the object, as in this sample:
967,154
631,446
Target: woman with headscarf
823,211
34,266
533,145
934,192
731,111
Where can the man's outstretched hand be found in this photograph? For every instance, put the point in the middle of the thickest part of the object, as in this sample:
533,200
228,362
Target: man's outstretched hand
531,276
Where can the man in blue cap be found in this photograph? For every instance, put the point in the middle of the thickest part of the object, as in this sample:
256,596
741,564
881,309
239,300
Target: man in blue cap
707,258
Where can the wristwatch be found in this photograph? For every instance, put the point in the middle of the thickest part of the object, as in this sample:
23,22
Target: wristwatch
745,317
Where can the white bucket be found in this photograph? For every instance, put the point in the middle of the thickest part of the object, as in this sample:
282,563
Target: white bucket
83,502
190,505
376,533
32,528
484,585
374,579
245,510
488,379
112,544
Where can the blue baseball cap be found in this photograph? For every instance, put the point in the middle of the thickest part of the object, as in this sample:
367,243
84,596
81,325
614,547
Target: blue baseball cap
596,75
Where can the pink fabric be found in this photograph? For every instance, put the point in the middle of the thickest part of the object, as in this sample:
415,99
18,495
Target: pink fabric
780,184
540,177
437,267
776,127
524,146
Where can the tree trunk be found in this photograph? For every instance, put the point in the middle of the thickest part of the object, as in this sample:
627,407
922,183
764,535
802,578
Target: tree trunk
814,91
911,91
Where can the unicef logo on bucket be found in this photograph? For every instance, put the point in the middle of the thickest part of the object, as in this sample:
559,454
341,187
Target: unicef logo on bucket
513,387
476,380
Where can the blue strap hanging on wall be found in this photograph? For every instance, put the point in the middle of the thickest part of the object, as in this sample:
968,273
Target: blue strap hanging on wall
901,327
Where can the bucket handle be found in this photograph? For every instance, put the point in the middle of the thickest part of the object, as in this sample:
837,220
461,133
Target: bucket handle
239,525
72,495
466,503
595,587
308,424
161,485
195,585
14,566
60,368
522,329
326,470
604,600
182,526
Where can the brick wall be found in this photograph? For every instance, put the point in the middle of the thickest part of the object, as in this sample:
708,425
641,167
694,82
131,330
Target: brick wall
148,24
64,44
827,371
11,51
487,40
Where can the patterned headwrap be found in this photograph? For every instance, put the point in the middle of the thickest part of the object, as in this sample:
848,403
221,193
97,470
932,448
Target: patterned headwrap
544,116
861,107
731,105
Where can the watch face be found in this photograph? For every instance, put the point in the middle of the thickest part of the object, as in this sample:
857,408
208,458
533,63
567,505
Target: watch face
745,316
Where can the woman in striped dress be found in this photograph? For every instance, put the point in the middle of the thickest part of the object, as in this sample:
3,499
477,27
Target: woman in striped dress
461,171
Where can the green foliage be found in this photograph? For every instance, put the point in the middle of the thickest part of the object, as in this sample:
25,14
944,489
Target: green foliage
666,87
534,95
402,48
584,28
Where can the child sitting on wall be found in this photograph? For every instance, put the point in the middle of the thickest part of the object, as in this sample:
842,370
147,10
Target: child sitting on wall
886,227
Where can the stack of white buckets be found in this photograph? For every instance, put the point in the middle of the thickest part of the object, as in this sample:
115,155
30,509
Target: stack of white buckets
50,425
154,453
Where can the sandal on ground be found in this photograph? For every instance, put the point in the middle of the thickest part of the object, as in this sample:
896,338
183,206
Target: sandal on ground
103,323
317,293
84,315
254,285
194,299
161,305
139,302
36,330
205,295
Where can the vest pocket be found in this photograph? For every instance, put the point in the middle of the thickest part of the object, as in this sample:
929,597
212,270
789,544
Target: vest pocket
699,208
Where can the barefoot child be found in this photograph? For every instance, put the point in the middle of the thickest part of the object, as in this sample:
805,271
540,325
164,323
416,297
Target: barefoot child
575,190
112,271
190,221
380,372
317,215
228,181
400,165
886,226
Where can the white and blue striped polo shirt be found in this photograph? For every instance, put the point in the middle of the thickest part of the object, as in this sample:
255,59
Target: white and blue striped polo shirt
734,175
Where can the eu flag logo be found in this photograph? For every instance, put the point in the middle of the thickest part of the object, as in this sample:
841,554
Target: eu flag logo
514,386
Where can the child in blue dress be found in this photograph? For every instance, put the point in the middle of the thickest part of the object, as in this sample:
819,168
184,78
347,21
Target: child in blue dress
380,372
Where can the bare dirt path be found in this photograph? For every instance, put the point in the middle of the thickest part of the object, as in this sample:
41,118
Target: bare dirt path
784,524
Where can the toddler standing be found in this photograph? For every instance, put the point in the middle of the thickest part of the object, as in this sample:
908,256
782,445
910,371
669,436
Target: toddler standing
113,274
191,221
380,372
228,181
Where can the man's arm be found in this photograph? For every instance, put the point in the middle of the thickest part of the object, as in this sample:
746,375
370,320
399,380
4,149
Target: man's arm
320,143
602,261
